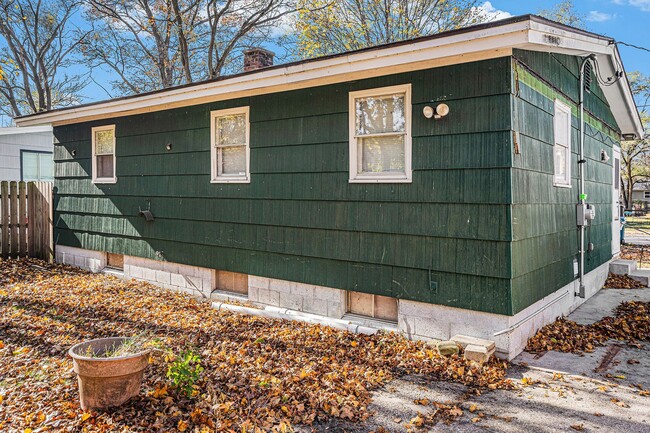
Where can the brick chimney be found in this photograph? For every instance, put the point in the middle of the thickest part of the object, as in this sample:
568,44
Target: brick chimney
257,58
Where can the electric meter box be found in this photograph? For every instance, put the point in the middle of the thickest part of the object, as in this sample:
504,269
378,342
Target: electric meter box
585,213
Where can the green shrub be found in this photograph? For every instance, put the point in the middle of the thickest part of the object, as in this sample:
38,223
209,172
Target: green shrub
184,371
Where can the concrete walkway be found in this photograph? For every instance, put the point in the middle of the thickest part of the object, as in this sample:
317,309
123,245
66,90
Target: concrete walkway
562,392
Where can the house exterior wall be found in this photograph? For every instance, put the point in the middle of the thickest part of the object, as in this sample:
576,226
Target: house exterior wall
444,238
12,144
545,238
481,227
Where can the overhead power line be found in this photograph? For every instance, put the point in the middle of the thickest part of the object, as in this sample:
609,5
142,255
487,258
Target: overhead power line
633,46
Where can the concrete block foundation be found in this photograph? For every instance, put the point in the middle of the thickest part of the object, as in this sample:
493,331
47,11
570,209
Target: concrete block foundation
416,320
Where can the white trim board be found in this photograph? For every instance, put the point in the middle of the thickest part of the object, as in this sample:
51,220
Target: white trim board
25,130
472,44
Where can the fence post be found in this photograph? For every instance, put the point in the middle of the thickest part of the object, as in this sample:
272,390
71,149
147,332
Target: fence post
22,218
4,221
31,222
13,219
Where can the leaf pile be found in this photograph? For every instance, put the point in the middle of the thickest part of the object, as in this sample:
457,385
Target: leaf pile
259,374
638,253
622,282
631,322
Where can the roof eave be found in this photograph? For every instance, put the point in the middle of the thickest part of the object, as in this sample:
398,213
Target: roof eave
497,39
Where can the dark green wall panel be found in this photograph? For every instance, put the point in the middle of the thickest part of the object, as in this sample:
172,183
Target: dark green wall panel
299,218
544,231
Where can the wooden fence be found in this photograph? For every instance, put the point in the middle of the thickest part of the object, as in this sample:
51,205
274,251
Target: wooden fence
26,220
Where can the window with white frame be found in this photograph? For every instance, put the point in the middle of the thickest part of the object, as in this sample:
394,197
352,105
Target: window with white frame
562,145
230,145
103,142
380,135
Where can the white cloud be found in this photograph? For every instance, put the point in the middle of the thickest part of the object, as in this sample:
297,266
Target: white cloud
644,5
598,17
492,13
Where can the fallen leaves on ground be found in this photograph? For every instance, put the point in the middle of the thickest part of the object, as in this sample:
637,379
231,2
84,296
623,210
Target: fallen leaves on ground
631,322
442,412
638,253
622,282
260,374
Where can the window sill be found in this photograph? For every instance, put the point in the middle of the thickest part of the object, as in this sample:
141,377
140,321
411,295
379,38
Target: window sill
382,179
561,185
105,180
233,180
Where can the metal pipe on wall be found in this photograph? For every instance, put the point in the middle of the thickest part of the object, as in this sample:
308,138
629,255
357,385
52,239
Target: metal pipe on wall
581,170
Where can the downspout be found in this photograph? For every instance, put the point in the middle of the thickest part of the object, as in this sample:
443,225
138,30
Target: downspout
581,170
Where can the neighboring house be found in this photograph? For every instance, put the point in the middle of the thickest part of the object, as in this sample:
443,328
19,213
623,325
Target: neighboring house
641,195
26,153
338,186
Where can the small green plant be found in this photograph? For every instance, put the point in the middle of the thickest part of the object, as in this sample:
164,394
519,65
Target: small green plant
184,371
131,346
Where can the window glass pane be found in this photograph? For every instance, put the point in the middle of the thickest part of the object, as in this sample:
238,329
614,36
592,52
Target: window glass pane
30,166
231,129
104,166
382,154
233,161
104,142
46,166
376,115
560,163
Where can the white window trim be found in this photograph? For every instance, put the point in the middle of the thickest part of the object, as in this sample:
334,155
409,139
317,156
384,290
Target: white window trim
560,106
355,176
94,159
214,177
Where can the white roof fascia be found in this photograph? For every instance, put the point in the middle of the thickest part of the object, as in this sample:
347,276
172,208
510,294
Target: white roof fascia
461,47
25,130
608,59
366,64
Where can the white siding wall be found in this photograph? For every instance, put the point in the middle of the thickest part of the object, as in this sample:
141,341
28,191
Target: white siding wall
12,141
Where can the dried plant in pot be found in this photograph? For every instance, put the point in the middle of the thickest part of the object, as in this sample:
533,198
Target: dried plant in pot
110,370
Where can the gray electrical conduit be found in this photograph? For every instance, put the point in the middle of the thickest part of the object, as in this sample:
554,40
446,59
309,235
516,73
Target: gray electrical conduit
530,316
283,313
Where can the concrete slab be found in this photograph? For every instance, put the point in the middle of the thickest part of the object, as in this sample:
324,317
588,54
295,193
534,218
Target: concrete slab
641,275
604,302
622,267
637,240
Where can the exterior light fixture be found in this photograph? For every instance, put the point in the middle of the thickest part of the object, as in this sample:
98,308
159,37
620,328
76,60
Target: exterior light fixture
74,152
439,112
604,157
629,137
168,146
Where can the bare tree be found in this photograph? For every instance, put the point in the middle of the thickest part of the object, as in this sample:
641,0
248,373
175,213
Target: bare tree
635,154
153,44
564,12
327,27
37,45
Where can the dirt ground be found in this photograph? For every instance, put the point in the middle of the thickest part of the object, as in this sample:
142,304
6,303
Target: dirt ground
44,311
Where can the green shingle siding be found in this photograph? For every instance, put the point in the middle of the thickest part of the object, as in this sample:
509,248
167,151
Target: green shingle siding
485,224
299,218
545,236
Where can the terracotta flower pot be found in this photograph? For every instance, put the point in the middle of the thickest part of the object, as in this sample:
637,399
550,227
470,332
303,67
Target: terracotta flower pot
107,382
